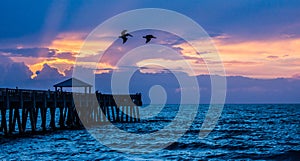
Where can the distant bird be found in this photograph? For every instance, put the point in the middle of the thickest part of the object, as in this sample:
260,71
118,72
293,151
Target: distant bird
149,37
124,36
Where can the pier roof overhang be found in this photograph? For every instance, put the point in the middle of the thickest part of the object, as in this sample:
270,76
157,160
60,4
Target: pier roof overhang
73,82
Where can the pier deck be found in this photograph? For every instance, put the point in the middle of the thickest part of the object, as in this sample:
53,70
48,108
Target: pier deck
20,107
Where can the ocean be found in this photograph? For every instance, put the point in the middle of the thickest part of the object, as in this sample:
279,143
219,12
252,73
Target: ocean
243,132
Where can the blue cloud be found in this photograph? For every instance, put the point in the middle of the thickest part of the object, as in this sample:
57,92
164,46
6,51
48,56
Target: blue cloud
246,19
239,89
12,73
30,52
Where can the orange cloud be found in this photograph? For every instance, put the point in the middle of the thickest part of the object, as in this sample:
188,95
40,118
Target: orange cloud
68,42
36,64
261,58
68,46
258,59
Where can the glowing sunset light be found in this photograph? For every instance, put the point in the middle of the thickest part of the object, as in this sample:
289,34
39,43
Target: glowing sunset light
69,42
60,64
261,59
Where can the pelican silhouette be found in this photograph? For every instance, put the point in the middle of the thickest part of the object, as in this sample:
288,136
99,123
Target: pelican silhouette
124,36
149,37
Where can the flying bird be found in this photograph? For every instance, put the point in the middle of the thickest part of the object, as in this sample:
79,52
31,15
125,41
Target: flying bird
149,37
124,36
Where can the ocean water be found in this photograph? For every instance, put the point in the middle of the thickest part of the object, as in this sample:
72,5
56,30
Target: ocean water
243,132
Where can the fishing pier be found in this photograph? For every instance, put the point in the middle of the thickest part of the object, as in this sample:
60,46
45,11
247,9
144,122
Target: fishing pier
25,110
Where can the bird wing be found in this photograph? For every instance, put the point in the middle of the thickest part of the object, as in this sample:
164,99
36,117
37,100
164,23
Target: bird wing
128,35
147,40
151,36
123,32
124,39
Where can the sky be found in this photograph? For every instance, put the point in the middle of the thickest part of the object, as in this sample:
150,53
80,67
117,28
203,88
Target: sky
256,40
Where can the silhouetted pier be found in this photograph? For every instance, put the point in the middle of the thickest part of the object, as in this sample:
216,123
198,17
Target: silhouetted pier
39,110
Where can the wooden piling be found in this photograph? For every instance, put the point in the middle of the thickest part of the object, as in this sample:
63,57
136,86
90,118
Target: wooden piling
3,121
131,114
127,113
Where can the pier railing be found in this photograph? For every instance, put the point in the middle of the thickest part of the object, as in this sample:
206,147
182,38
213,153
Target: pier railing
20,106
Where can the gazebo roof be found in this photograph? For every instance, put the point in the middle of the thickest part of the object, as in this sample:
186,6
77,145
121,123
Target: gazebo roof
72,82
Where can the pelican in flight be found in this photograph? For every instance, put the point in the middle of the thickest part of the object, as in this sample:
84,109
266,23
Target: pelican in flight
149,37
124,36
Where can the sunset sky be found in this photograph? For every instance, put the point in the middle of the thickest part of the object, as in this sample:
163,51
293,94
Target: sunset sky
255,39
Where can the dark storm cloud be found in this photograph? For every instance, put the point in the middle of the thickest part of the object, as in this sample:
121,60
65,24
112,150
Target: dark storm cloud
66,55
30,52
46,78
49,73
17,74
12,73
38,53
247,90
239,89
